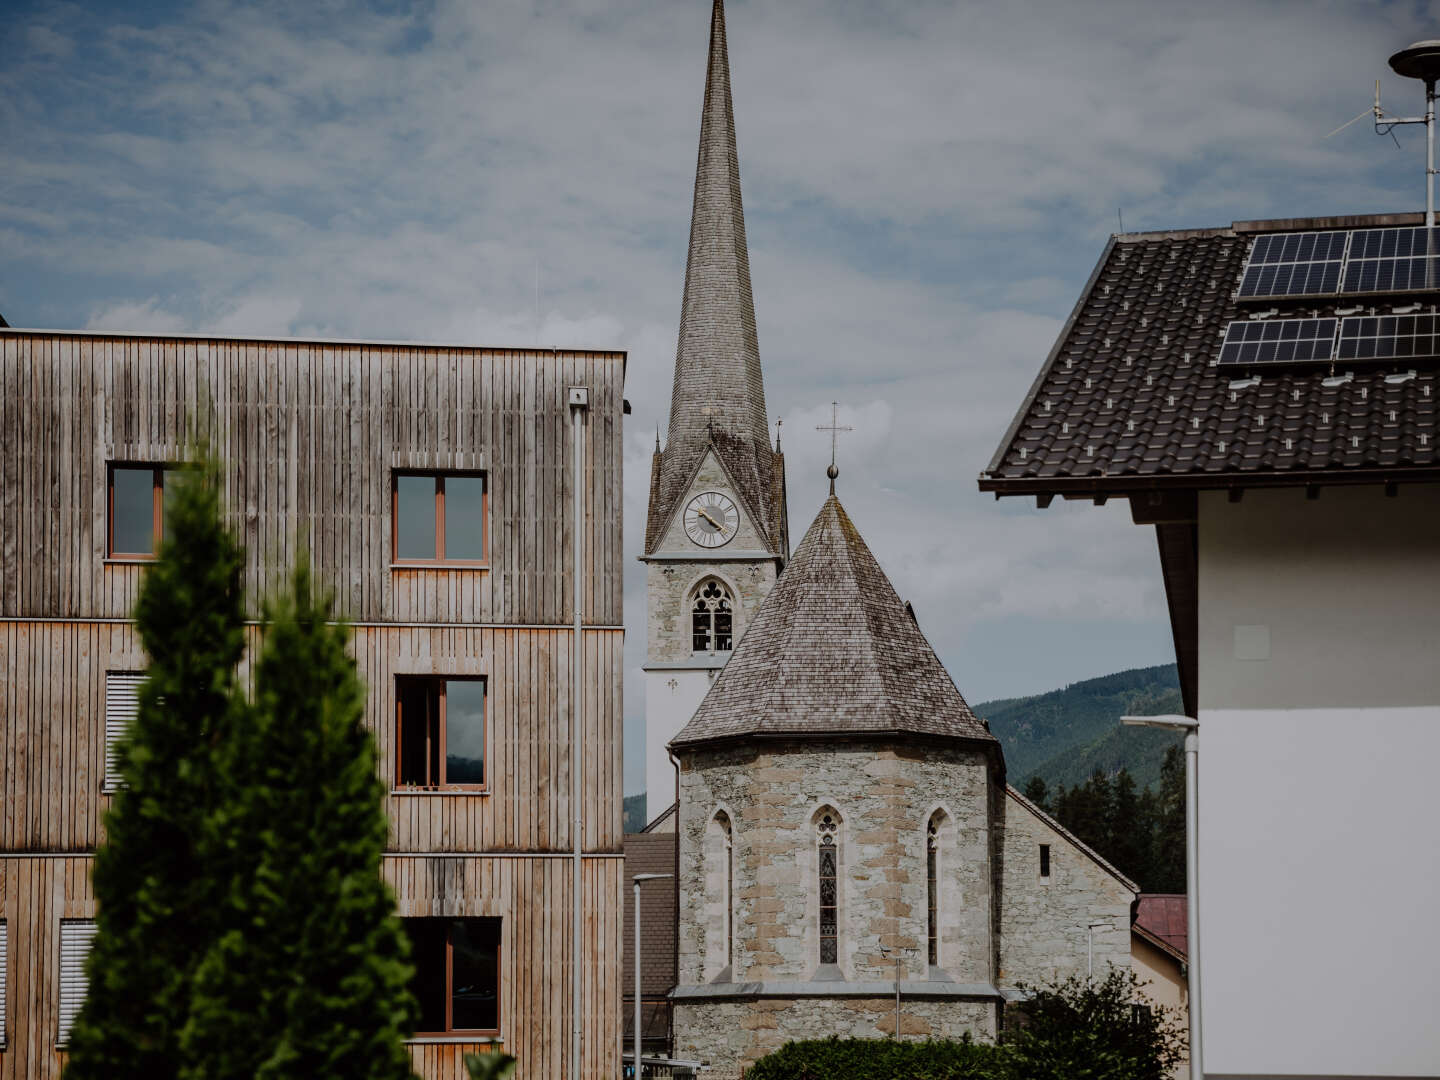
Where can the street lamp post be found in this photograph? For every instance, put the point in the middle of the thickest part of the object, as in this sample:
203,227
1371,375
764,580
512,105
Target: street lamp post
901,953
639,880
1191,729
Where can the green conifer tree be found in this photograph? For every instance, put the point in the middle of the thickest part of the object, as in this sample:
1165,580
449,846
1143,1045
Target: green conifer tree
309,976
1169,852
155,899
1129,830
1038,793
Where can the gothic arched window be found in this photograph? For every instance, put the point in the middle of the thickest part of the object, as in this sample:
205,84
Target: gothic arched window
827,825
719,897
711,618
932,888
727,870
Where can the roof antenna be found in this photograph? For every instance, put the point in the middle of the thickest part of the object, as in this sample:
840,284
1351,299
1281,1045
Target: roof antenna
835,428
1419,61
1119,213
779,423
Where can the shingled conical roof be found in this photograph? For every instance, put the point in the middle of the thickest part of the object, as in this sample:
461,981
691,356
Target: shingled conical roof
832,651
718,399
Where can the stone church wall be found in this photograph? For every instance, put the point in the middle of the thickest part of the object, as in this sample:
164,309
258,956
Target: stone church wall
733,1034
884,797
1045,927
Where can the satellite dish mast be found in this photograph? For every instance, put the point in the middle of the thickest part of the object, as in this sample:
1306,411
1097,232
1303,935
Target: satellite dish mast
1419,61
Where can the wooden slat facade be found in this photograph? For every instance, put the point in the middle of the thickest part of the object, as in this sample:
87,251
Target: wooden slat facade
310,434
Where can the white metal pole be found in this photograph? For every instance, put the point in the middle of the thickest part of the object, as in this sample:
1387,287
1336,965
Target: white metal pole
637,979
1192,892
1429,154
897,997
579,400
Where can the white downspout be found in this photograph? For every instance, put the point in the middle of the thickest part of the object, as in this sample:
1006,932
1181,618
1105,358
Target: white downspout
579,402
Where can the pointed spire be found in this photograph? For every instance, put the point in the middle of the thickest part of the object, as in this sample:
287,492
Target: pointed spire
717,359
718,397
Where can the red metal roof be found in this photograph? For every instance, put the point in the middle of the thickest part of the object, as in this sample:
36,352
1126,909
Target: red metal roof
1163,916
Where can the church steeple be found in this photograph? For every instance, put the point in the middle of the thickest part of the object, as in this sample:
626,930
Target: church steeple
718,398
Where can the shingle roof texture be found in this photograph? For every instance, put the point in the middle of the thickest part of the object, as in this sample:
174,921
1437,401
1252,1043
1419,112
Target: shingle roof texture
1164,915
1132,389
832,651
650,853
718,398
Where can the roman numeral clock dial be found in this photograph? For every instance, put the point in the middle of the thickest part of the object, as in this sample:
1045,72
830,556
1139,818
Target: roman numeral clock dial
711,519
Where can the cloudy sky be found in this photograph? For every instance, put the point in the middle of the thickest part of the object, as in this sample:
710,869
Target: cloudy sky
927,186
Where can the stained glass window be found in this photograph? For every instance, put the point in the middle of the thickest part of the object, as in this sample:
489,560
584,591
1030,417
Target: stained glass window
711,619
932,889
826,829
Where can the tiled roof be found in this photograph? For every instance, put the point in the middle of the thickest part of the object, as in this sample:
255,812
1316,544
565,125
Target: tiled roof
650,853
832,651
718,398
1131,398
1163,917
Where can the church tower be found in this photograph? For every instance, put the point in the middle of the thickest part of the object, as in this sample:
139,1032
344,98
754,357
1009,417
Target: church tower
717,535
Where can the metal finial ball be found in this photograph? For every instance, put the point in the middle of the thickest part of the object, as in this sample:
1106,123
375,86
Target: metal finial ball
832,472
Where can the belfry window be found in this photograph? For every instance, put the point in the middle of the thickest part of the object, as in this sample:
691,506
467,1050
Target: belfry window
825,829
711,618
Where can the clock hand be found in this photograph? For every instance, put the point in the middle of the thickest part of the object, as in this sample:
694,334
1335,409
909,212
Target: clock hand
712,521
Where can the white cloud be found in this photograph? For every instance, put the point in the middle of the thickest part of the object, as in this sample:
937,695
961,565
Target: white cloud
927,186
145,317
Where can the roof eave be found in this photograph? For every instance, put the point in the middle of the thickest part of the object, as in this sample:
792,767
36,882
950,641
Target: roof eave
1083,486
989,742
1060,340
1159,942
1083,847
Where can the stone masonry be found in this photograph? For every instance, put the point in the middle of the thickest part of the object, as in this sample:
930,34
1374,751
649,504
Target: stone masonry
1046,929
731,1034
884,796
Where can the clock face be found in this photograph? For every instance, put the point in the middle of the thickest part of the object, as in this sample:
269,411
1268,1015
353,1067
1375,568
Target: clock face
711,519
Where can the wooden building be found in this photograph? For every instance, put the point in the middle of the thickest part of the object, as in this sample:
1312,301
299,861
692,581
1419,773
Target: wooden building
348,448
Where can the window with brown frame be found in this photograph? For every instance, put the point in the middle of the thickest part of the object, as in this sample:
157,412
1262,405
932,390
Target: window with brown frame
137,497
440,733
439,517
457,975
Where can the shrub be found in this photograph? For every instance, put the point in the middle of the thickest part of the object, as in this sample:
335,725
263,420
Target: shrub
1084,1028
880,1059
1077,1029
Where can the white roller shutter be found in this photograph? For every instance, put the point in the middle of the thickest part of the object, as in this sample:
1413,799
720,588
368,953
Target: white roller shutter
122,699
4,977
76,936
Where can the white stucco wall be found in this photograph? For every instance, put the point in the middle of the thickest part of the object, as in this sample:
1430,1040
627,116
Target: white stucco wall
671,697
1319,697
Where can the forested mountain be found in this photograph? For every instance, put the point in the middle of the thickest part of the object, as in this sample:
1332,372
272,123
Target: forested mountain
1120,789
635,819
1065,735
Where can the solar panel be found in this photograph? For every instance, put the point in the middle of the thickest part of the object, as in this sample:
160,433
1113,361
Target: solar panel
1393,260
1294,264
1277,341
1389,337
